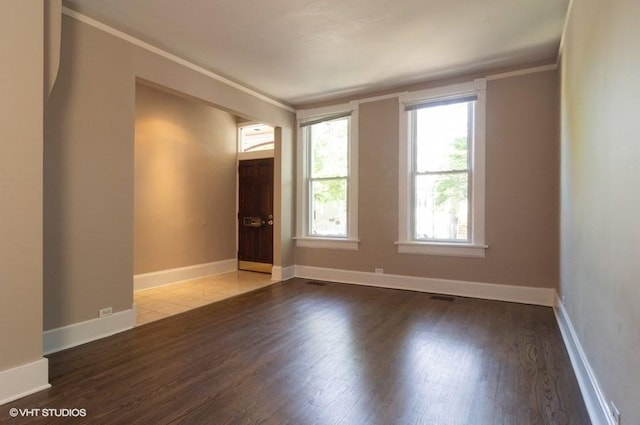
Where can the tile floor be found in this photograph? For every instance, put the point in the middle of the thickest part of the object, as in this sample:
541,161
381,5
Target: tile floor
164,301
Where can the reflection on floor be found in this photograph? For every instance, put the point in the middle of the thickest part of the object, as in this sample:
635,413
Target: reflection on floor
164,301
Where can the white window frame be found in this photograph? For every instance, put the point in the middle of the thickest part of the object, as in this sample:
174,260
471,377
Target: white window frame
406,243
303,238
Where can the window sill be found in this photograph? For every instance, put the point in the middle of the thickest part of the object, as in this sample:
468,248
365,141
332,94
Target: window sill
327,243
445,249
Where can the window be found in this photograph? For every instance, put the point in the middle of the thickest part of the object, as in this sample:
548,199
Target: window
255,140
442,171
327,178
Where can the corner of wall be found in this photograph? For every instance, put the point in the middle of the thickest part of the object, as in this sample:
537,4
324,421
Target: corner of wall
24,380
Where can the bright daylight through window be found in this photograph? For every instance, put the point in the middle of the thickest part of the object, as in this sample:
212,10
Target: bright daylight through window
442,161
441,173
328,175
327,188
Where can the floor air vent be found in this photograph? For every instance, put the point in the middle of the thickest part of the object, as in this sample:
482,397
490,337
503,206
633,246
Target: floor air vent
315,282
442,298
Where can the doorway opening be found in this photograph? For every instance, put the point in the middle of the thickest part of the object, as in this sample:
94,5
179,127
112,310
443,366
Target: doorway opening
255,197
185,204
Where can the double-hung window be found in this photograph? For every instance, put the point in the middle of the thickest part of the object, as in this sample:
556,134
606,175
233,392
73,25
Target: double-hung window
327,177
442,157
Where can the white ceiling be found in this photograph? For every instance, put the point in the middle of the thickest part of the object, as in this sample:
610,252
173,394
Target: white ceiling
302,51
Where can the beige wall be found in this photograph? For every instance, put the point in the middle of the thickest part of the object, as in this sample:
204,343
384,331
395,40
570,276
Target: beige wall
522,192
88,170
600,236
89,165
284,200
52,28
185,182
21,110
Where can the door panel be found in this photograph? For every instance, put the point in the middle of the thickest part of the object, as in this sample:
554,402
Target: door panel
255,211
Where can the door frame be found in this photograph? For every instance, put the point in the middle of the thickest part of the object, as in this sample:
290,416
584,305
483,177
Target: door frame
241,156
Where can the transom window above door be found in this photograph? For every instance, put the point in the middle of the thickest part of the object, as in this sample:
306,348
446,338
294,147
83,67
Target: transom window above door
256,137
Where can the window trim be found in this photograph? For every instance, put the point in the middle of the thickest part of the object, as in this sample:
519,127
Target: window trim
303,238
476,247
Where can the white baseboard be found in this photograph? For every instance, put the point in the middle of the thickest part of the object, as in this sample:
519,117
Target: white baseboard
489,291
165,277
288,272
592,394
24,380
280,273
80,333
276,273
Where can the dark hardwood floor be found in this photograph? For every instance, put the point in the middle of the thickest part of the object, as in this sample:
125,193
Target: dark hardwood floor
300,353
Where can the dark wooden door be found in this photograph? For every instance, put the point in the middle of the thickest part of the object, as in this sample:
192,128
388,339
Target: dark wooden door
255,212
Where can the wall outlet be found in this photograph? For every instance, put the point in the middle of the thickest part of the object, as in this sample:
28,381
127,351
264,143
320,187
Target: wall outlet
378,270
563,299
104,312
615,413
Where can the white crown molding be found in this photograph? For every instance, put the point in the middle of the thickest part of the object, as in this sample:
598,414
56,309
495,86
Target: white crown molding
489,77
170,56
592,394
80,333
24,380
489,291
166,277
564,32
525,71
177,59
381,97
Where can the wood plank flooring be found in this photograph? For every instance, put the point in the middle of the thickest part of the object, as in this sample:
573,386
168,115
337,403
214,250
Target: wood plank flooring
300,353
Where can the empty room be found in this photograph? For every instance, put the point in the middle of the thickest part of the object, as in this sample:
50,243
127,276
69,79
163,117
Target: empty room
320,212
